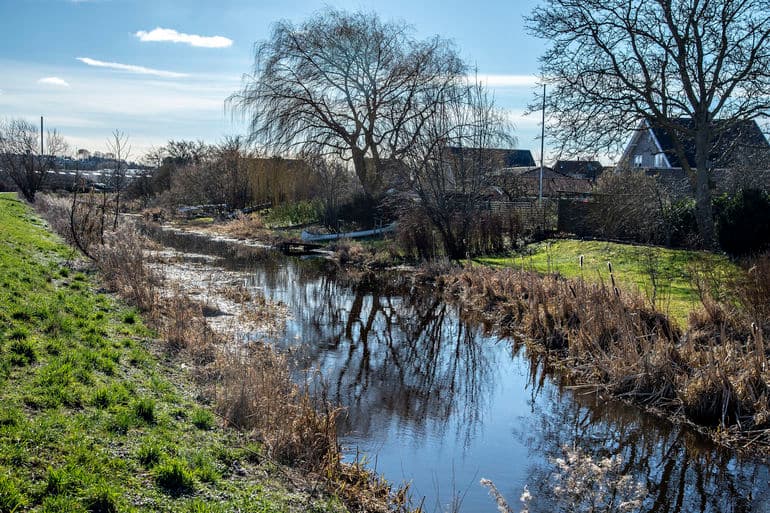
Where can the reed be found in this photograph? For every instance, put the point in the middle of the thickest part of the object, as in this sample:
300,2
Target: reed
713,375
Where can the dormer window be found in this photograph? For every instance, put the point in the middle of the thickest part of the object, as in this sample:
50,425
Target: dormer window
638,160
660,160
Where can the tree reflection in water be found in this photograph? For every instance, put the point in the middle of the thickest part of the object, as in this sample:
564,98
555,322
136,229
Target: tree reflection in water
683,472
407,368
410,359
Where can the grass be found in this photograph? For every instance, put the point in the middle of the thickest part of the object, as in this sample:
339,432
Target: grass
90,410
634,267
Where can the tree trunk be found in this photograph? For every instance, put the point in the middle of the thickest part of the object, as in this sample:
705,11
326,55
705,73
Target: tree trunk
359,165
703,211
369,176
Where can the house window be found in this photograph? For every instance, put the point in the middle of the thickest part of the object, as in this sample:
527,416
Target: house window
637,160
660,160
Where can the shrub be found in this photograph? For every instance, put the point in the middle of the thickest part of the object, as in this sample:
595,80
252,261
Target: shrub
743,224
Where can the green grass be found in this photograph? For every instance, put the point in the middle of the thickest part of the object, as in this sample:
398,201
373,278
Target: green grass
289,214
89,412
632,267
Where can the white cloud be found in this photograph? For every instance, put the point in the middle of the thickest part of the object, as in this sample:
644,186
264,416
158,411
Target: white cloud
54,81
131,68
509,80
159,34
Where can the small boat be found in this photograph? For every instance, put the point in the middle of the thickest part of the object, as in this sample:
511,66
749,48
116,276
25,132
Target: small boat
318,237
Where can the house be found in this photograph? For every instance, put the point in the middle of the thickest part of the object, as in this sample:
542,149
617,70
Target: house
653,147
519,182
501,157
581,169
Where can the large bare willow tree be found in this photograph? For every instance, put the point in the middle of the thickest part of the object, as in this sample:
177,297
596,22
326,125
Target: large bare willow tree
23,159
346,84
614,63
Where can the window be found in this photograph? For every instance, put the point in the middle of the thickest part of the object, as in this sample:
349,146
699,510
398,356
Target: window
660,160
638,160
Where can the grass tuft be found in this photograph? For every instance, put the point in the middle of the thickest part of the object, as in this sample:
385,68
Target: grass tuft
202,419
173,476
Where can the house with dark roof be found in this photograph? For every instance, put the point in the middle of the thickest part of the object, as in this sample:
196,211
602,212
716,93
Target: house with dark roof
501,157
581,169
652,146
520,182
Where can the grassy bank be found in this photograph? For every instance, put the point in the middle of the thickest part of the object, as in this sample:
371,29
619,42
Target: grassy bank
666,275
94,418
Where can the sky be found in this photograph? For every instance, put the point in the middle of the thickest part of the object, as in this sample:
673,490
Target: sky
162,69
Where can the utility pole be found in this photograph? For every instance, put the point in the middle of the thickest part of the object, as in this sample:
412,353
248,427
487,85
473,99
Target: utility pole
41,137
542,151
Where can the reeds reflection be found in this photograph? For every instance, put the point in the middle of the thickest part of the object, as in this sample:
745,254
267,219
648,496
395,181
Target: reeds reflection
682,471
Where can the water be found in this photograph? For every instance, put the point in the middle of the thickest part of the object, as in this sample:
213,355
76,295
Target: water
437,402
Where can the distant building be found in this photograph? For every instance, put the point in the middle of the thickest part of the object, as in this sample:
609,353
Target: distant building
583,169
83,154
501,157
654,147
521,182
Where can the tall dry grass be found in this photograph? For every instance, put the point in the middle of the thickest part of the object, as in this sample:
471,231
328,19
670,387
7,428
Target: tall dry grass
250,383
714,374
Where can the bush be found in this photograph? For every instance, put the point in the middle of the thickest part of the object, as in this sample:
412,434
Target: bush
743,223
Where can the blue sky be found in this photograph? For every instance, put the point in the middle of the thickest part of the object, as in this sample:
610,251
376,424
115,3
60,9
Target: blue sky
94,66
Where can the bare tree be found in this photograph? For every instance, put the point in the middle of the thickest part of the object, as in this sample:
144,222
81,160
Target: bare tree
452,165
346,84
230,171
25,162
118,145
334,183
614,63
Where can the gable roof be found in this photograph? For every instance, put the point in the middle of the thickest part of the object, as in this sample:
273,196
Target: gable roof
505,157
583,168
744,137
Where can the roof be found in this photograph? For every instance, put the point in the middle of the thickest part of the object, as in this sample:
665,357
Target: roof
505,157
742,136
582,168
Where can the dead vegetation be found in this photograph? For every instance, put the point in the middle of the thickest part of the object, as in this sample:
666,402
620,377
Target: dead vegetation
250,383
714,375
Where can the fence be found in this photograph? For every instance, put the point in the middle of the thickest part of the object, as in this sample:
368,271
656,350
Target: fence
532,215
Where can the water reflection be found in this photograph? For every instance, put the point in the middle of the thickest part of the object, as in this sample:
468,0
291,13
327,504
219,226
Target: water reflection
682,471
408,358
439,402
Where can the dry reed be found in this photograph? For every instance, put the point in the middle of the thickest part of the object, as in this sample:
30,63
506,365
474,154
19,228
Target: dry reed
713,375
251,383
